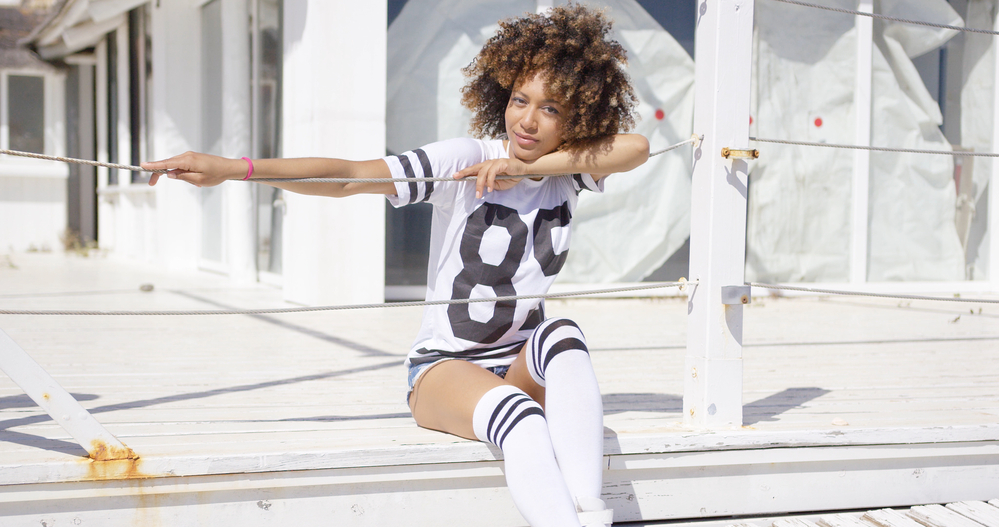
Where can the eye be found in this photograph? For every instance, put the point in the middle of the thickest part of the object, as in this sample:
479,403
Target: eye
551,110
518,100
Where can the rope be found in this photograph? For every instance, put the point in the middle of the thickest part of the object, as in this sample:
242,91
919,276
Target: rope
693,139
875,148
875,295
891,18
77,161
660,285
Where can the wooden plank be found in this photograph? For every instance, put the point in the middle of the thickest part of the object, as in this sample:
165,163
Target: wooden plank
842,520
940,516
794,522
890,518
981,512
59,404
712,394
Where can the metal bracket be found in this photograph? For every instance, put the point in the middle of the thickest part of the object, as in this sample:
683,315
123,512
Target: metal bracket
736,294
732,152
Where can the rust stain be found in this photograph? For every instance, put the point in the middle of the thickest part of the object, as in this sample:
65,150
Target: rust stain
101,451
107,462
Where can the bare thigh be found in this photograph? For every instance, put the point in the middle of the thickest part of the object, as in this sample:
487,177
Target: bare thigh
445,396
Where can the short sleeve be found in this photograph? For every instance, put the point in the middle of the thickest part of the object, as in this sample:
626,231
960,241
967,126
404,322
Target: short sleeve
582,182
440,159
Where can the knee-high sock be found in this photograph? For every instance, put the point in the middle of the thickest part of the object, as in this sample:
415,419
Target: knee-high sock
508,418
560,362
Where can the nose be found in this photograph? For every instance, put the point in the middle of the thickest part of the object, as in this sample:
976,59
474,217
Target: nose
529,120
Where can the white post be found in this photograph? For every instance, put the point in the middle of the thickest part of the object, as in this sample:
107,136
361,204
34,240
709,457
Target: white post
862,136
241,224
993,228
333,95
58,403
712,394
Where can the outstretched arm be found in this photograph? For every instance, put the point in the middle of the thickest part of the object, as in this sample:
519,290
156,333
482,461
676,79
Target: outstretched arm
205,170
620,153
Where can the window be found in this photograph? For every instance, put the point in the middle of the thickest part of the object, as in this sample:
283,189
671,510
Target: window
26,113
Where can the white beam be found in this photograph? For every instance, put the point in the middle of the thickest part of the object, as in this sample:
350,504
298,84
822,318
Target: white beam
993,227
236,124
713,376
334,249
58,403
862,136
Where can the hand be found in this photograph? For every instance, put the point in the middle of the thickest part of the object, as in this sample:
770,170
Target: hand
485,174
200,170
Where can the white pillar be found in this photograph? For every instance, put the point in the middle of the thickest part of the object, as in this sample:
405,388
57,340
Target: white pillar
862,136
334,106
240,222
712,394
993,227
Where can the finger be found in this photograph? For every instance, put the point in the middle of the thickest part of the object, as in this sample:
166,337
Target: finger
480,184
153,178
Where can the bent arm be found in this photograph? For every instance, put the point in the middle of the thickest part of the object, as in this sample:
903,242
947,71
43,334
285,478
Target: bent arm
620,153
208,170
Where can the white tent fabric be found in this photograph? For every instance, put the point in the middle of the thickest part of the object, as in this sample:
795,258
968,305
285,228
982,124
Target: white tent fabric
798,220
976,124
432,40
799,216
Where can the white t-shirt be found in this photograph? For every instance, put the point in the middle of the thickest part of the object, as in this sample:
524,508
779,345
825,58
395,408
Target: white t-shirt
509,242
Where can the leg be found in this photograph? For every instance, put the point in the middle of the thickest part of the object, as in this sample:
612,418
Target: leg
465,400
555,367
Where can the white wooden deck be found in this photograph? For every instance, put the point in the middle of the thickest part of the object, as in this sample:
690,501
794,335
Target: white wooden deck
273,419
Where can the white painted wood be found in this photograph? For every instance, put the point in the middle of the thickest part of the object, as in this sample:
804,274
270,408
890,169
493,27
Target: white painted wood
940,516
712,395
981,512
227,400
58,403
842,520
241,254
322,115
993,227
862,136
794,522
890,518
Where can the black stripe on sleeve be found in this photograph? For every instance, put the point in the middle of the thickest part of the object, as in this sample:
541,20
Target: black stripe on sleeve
414,189
428,172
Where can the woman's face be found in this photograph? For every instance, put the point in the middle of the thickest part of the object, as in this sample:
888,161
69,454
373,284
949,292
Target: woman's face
533,120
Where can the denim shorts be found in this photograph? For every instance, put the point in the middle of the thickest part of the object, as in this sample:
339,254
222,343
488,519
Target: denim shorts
415,370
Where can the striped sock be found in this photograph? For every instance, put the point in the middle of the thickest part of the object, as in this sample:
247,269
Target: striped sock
560,362
508,418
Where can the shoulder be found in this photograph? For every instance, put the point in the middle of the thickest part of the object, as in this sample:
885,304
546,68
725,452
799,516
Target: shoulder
465,150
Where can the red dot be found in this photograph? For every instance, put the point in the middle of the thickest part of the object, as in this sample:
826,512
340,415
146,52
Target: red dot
660,114
818,121
750,119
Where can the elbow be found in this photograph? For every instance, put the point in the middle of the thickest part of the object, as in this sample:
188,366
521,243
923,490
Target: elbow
642,149
638,151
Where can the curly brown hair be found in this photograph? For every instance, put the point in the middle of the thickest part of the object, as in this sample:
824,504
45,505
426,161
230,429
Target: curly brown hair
581,67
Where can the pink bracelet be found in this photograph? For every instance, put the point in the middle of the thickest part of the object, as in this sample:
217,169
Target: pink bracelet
249,172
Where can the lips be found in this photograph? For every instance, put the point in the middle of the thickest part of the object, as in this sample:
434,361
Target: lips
524,140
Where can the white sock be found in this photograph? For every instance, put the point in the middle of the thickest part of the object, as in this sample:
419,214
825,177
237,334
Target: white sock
573,406
508,418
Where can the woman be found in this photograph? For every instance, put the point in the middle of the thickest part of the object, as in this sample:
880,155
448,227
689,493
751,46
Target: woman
552,84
